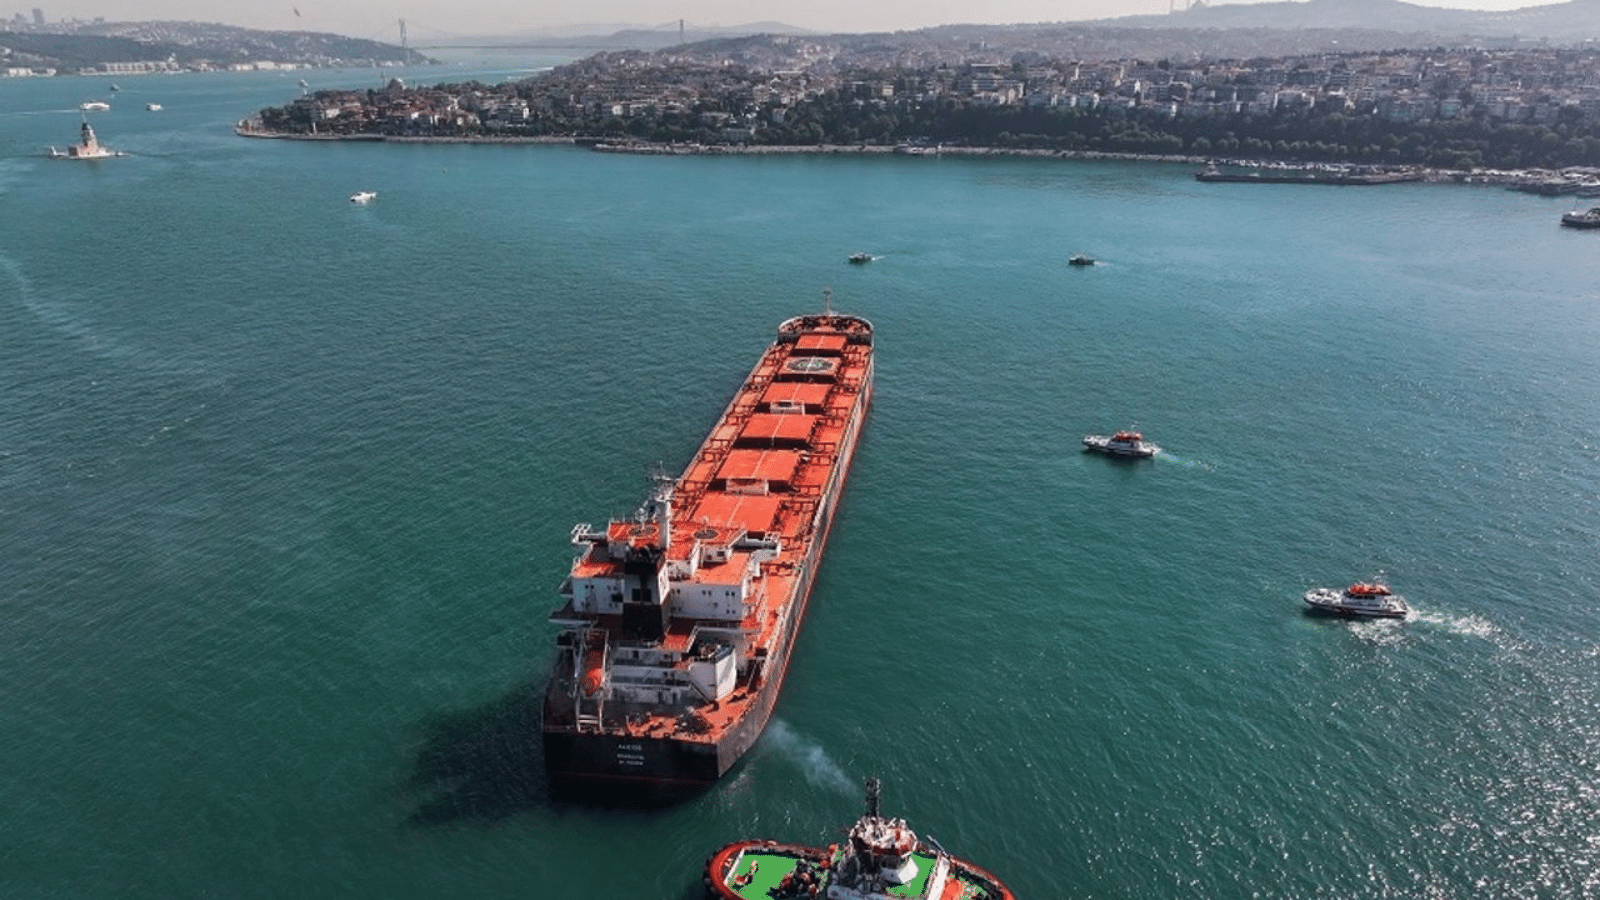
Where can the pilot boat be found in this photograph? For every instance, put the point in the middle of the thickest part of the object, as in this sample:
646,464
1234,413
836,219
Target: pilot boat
1365,600
1122,443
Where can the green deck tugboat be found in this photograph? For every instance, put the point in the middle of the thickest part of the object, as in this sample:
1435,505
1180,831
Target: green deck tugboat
881,859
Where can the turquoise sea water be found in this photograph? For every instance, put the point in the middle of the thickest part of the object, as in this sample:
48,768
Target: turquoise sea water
286,485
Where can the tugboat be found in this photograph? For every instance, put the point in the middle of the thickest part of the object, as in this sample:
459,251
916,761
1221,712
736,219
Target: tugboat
1575,219
88,147
1123,443
1362,600
880,859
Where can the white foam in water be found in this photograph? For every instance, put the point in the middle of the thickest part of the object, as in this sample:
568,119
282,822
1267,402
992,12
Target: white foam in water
819,769
1471,626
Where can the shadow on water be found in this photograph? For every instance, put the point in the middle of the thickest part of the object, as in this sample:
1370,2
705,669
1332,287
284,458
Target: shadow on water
481,764
487,764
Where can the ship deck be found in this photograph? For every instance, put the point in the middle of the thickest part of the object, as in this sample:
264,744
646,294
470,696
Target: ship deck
766,867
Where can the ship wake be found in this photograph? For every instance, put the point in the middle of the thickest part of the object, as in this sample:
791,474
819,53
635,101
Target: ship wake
809,756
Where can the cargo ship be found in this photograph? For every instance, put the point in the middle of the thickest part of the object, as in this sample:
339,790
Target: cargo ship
678,623
880,859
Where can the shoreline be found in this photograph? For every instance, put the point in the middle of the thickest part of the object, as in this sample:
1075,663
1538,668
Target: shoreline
1531,179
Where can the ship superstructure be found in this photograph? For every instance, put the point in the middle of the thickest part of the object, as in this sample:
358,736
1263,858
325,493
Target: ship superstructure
678,623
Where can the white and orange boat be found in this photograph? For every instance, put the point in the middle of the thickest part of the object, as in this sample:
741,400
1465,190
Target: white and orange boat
678,623
1364,599
880,859
1122,443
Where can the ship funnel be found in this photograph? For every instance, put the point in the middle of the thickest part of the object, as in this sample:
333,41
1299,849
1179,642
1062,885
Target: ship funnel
663,505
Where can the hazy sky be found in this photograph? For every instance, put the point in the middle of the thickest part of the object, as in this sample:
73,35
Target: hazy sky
428,20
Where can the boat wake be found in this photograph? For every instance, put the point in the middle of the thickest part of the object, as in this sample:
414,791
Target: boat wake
1469,626
1169,459
1380,632
809,756
56,316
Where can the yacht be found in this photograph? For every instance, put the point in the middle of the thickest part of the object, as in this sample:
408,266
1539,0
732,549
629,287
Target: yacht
1123,443
1362,600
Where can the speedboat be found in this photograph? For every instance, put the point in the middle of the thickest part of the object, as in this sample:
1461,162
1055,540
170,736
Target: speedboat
1575,219
363,196
1362,600
860,258
94,106
1123,443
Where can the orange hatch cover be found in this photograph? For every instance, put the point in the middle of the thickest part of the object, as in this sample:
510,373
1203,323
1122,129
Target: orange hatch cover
770,465
806,393
821,343
792,428
753,512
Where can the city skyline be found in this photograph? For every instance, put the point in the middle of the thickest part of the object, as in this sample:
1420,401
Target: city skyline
378,19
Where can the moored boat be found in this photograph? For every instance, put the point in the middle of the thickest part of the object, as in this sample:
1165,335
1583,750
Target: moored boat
678,622
1587,219
1363,599
1122,443
881,858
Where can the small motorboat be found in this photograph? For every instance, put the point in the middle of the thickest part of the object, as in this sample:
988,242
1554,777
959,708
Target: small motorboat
860,258
1575,219
1362,600
1080,260
363,196
153,107
94,106
1123,443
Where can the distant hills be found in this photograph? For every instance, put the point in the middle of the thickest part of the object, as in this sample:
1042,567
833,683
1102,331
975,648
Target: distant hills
1234,29
1566,23
187,45
616,37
